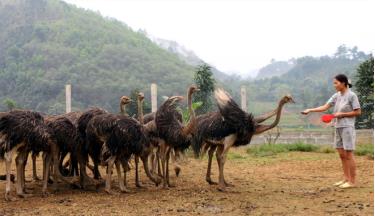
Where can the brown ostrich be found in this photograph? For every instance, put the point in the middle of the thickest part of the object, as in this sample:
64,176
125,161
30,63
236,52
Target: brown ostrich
115,138
124,101
172,133
83,151
22,132
230,126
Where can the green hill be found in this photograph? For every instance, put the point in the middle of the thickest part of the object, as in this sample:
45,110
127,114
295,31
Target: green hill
45,44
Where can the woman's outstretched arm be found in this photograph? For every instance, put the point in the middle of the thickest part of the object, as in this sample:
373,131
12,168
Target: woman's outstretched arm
317,109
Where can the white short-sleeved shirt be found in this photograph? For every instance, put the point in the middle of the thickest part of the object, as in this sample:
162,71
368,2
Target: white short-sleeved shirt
346,102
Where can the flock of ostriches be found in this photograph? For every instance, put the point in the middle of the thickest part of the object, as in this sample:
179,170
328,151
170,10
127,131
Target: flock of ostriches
68,141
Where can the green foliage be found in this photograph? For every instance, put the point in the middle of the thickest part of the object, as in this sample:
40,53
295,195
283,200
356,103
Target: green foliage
185,111
365,88
204,80
365,150
9,103
302,147
45,44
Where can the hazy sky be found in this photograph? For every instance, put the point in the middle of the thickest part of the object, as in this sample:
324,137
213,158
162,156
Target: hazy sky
241,36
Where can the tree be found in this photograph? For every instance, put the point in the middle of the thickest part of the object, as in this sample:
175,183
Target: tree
9,103
365,89
203,78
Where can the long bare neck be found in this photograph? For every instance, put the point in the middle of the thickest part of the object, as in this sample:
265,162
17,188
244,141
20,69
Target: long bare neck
190,125
140,111
278,115
122,108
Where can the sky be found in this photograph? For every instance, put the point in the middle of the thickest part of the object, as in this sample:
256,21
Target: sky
242,36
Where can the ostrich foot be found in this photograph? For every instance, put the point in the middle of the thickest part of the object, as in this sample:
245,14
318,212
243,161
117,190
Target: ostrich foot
171,185
9,198
36,179
110,192
177,170
228,184
209,181
139,185
125,190
221,188
23,195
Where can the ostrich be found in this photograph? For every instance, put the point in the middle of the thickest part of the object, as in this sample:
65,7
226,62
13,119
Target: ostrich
114,138
173,134
124,100
230,126
22,132
82,148
66,137
72,163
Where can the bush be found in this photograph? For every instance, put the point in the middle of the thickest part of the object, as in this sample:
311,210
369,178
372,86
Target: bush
302,147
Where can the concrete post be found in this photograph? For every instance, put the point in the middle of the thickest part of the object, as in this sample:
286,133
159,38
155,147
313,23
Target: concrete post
68,98
154,97
243,99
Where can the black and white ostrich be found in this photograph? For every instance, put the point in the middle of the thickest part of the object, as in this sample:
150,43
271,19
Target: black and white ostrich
172,133
22,132
228,127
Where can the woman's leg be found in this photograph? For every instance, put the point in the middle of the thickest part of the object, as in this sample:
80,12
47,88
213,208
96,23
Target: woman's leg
344,162
351,166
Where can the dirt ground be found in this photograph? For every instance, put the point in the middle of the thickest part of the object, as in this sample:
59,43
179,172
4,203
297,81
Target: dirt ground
293,183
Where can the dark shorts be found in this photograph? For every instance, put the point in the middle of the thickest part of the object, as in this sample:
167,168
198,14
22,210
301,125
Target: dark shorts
345,138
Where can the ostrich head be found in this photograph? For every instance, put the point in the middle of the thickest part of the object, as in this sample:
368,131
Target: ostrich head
193,89
125,100
287,99
141,96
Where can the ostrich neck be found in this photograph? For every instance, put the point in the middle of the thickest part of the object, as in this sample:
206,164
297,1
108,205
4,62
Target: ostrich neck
190,125
140,111
122,109
278,114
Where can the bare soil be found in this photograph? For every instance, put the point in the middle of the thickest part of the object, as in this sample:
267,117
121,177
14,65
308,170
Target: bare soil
292,183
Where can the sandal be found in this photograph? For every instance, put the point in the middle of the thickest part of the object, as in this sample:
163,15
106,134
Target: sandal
347,185
339,183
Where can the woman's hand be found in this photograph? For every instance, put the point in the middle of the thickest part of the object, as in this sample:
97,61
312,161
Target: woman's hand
306,111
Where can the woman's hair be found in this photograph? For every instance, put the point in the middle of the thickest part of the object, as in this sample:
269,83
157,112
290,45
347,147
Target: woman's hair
342,78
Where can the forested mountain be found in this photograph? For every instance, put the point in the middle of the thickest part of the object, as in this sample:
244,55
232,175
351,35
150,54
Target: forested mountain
275,68
309,80
45,44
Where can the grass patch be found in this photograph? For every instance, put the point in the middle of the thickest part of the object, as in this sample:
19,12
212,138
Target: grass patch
365,150
273,149
326,149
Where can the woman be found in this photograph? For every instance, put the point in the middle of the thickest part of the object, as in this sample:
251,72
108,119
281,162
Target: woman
346,108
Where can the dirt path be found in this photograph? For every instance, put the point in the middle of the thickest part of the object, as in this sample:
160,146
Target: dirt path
286,184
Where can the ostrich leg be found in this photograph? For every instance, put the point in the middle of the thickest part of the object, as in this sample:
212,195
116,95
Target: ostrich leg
137,182
221,156
210,155
46,167
119,176
167,167
20,162
8,163
35,176
111,161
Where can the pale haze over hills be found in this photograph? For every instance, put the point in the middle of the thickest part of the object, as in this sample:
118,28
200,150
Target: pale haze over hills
243,36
